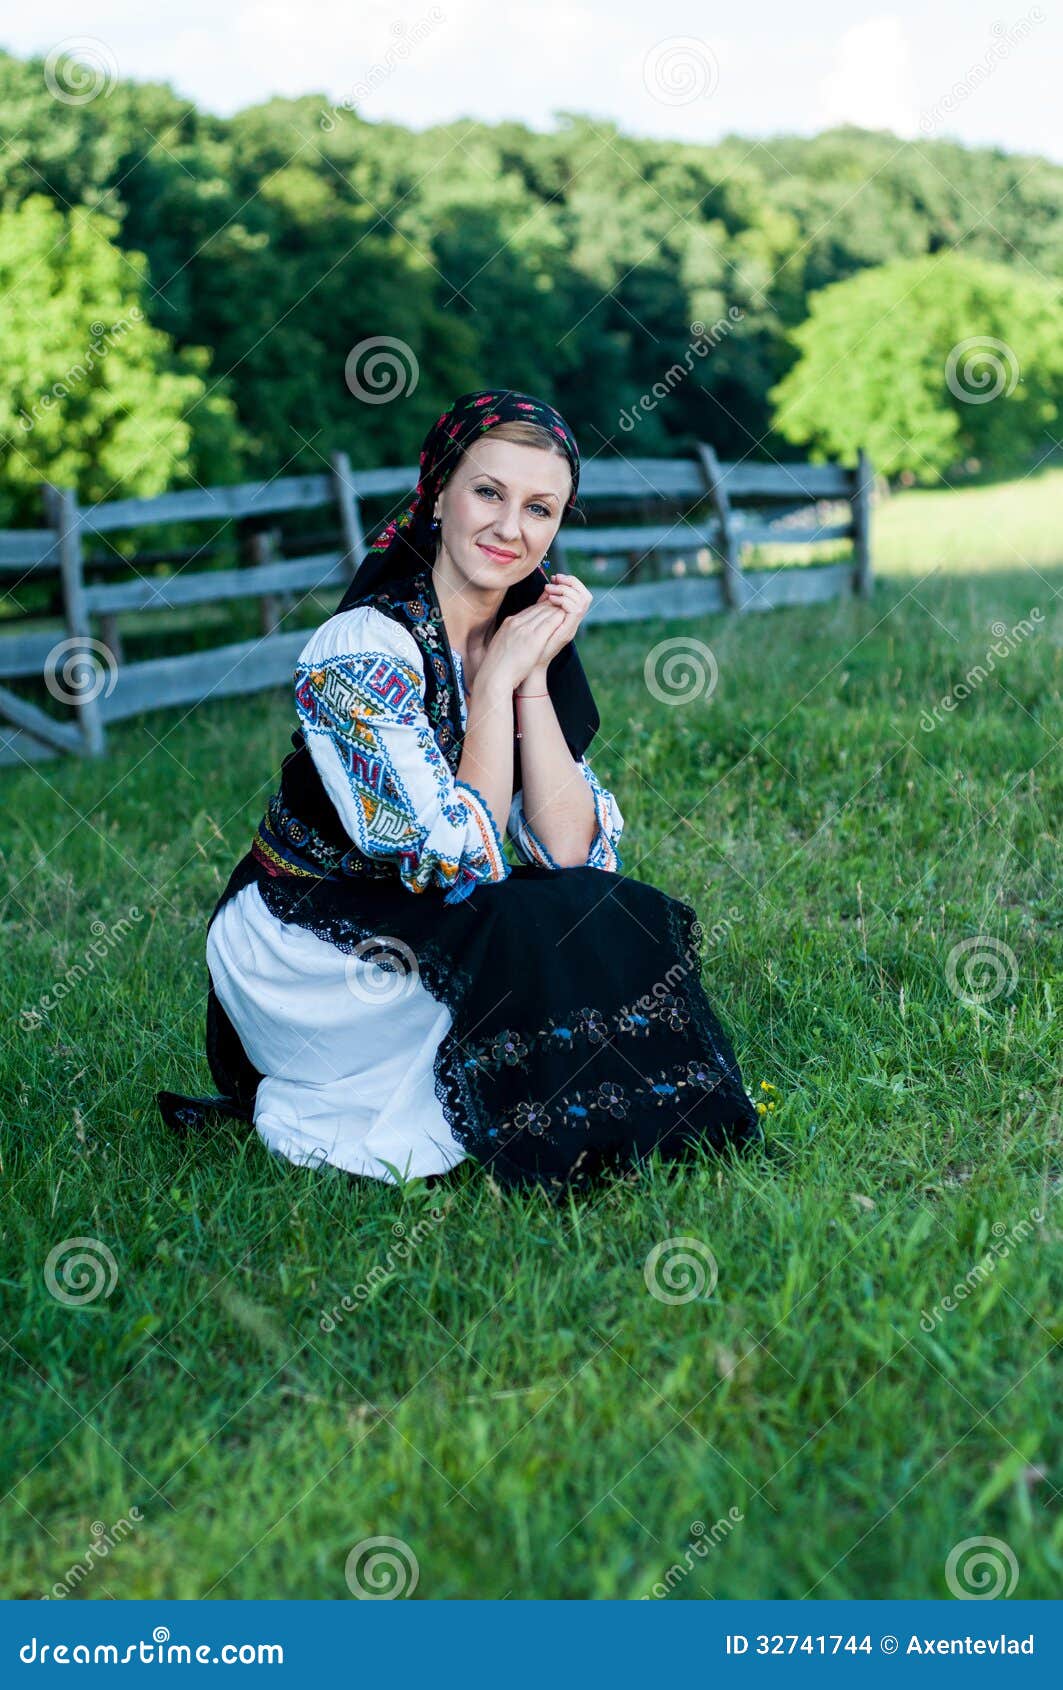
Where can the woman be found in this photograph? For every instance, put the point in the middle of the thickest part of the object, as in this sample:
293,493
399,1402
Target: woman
387,992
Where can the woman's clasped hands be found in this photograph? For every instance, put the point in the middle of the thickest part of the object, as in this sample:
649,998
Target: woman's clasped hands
530,639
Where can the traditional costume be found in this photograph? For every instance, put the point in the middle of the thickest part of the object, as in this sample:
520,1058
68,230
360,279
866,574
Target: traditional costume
387,992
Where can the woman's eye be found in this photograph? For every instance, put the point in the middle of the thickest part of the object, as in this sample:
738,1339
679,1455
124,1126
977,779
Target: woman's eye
541,509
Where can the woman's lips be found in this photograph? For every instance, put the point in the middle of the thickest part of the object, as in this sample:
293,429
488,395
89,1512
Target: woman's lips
499,556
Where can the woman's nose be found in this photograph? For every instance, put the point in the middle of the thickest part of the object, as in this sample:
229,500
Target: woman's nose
507,523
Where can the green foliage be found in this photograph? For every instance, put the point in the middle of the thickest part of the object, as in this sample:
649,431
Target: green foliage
94,395
572,262
927,363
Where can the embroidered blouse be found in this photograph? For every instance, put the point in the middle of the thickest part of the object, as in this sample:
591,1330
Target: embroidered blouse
360,693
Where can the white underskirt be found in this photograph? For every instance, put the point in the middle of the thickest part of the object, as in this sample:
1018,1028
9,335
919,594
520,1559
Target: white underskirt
348,1065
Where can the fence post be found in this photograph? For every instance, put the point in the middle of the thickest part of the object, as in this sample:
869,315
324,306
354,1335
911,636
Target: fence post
636,568
263,546
112,639
350,517
62,510
864,480
730,550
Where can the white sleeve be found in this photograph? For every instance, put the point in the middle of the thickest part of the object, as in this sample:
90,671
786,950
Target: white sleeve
360,693
603,852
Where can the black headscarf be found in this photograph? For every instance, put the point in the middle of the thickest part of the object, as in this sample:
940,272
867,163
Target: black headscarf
408,544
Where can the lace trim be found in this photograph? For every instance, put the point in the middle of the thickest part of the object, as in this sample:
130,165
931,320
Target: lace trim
478,807
532,844
603,851
688,935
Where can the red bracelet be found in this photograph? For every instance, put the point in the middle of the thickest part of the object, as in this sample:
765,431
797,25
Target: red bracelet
518,734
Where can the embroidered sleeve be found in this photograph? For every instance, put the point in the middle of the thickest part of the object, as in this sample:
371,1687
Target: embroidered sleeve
359,690
603,852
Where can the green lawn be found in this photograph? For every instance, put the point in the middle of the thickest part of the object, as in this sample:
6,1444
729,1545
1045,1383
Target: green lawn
510,1400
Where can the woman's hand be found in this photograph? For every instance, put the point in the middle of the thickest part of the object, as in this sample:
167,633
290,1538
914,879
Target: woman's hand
566,593
518,646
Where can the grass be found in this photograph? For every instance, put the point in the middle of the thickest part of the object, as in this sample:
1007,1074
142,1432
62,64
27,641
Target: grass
509,1399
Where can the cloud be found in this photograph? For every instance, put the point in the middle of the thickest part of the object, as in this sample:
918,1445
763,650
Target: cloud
871,81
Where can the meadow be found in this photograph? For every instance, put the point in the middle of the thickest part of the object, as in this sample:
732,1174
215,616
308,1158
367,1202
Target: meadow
867,1380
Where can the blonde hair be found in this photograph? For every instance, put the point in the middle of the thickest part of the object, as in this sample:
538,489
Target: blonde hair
528,434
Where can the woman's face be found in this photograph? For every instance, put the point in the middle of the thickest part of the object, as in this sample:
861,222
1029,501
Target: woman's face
501,509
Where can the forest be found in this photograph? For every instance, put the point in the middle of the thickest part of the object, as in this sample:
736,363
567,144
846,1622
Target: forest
190,297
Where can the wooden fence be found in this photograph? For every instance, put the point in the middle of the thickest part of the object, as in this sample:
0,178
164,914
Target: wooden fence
670,564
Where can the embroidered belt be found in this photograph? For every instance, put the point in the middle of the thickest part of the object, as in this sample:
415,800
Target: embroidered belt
285,845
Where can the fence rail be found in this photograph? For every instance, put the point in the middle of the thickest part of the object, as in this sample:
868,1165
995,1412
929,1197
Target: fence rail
694,506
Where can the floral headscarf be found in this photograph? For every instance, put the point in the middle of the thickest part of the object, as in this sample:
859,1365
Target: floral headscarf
469,418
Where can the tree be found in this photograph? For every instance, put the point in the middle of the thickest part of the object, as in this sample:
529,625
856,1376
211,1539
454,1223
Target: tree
927,363
94,397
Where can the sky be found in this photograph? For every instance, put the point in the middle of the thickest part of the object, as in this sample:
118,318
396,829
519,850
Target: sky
982,74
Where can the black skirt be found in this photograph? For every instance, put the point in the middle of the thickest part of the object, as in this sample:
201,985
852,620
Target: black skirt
581,1036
